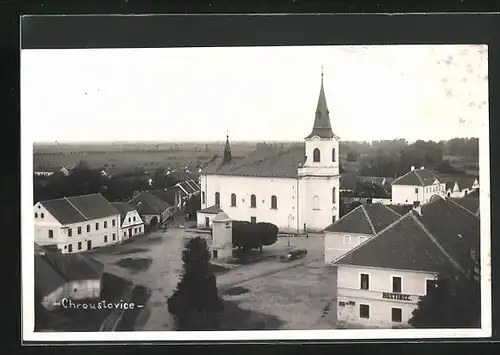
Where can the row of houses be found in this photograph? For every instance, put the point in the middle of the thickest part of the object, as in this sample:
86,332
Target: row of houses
416,185
82,223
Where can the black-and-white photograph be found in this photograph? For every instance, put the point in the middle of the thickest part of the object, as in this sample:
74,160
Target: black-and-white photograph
316,189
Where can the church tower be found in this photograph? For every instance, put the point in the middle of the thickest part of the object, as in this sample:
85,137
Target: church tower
319,179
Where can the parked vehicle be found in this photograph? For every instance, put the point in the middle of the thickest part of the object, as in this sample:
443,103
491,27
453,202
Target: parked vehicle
294,254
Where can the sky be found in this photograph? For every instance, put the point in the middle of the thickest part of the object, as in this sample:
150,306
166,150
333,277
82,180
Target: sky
253,93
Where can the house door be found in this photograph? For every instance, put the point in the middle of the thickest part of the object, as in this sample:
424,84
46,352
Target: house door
214,254
89,245
207,222
130,232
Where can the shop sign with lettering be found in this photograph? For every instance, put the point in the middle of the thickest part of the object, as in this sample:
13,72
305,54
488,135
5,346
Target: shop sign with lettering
396,296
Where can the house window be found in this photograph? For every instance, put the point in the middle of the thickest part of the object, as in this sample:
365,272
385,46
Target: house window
334,195
274,202
429,285
88,228
133,218
129,220
51,233
217,198
316,155
79,230
334,218
105,239
364,311
70,248
70,232
140,229
105,224
42,215
135,230
347,239
233,200
362,240
316,202
365,281
97,226
253,201
114,236
397,315
333,155
36,215
253,219
113,222
79,245
396,284
416,190
203,197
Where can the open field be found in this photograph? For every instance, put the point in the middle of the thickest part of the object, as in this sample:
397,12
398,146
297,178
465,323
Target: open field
130,155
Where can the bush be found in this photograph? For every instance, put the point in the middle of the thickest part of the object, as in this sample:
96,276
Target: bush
247,235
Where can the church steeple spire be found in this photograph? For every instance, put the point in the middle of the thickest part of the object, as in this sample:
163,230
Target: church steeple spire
322,126
227,151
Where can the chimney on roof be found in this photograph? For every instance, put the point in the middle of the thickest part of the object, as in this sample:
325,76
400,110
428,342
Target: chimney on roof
417,207
412,168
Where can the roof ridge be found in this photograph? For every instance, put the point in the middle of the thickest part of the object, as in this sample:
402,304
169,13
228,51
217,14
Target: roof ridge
462,207
433,239
344,216
370,239
390,209
418,176
76,208
369,219
402,176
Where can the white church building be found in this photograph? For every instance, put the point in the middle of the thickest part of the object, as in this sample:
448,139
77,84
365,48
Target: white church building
296,189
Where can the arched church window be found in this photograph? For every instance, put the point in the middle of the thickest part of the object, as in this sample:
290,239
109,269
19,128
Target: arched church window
274,202
333,155
217,198
316,202
334,195
233,200
253,201
316,155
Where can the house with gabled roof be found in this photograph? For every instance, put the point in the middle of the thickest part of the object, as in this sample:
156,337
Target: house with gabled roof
152,209
355,228
131,223
417,185
76,224
71,276
295,188
380,281
459,185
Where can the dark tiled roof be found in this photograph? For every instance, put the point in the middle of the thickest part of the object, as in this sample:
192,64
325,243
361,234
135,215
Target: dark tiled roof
55,269
167,196
438,241
123,208
473,194
416,177
401,209
76,209
450,185
463,181
365,219
146,203
188,187
263,162
211,210
469,203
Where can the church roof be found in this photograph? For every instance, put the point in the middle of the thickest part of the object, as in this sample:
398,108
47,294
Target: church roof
263,162
322,126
